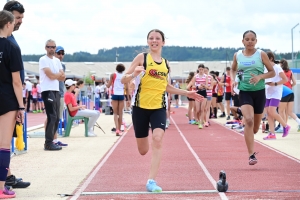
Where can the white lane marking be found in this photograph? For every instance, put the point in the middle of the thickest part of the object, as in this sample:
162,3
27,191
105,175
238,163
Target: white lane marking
153,193
263,144
206,172
93,174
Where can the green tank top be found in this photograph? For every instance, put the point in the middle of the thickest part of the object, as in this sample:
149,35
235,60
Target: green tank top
248,65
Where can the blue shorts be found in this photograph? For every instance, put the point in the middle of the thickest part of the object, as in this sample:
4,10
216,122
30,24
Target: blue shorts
40,99
117,97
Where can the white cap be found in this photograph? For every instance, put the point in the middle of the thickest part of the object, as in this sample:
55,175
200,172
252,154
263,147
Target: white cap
70,82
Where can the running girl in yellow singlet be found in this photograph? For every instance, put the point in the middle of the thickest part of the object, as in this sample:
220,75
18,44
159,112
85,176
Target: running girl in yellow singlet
150,101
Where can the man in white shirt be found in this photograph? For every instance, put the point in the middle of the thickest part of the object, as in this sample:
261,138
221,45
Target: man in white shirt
51,72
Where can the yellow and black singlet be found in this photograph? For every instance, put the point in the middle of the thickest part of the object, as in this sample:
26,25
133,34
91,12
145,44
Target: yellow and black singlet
150,90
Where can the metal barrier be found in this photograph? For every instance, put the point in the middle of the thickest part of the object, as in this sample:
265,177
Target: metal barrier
62,122
86,101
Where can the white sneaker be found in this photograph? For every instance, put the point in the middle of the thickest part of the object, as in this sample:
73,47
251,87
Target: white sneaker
91,134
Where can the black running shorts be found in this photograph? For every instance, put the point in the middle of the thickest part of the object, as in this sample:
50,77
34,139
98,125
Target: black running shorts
141,118
288,98
256,99
202,93
219,99
9,103
228,96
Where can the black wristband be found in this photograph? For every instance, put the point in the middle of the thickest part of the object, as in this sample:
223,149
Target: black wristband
21,109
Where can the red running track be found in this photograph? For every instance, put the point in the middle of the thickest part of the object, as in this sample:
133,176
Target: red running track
34,119
192,160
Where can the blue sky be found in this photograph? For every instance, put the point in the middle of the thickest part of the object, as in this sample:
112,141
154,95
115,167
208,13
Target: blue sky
89,25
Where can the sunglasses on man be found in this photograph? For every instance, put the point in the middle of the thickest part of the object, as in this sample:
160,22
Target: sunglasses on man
60,53
52,47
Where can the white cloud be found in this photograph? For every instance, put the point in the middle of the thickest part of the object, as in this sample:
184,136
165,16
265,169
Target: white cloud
90,25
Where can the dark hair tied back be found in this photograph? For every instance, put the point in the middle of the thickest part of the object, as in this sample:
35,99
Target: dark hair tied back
158,31
249,31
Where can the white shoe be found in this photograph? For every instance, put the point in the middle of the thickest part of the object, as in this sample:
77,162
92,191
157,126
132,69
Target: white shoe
91,134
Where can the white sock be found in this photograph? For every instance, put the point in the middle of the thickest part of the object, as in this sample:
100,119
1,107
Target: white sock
298,121
55,140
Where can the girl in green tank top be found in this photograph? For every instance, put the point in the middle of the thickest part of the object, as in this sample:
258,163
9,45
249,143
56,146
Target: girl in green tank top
248,65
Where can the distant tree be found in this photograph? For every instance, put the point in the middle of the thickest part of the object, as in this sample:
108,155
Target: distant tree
88,79
172,53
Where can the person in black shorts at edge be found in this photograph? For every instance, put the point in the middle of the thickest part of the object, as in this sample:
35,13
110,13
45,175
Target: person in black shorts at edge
17,9
150,71
248,65
11,97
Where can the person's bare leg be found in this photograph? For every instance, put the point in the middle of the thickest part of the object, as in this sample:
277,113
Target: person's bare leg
271,121
8,121
197,113
228,107
120,120
190,110
143,145
282,110
203,110
290,107
233,110
157,139
257,120
273,113
115,107
221,107
208,104
249,126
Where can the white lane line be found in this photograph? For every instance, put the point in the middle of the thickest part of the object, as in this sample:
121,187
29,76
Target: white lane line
93,174
206,172
263,144
155,193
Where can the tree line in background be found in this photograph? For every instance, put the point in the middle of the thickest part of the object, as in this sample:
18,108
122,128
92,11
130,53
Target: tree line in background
172,53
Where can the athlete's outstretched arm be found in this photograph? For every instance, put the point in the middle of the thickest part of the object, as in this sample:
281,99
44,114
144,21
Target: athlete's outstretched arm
190,94
135,69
